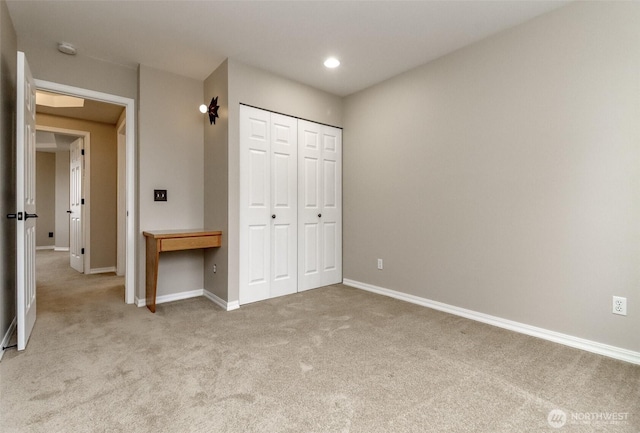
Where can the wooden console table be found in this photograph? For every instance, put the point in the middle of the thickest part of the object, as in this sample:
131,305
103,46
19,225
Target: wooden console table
172,240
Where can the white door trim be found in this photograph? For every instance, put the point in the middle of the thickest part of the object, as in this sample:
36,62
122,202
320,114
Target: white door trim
131,171
86,185
121,184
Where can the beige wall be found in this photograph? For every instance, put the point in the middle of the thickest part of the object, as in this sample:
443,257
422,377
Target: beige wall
171,157
8,49
45,198
62,199
103,192
48,64
504,177
216,181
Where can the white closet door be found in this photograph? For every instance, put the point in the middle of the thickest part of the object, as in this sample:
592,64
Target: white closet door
255,216
268,197
319,205
284,205
331,220
309,205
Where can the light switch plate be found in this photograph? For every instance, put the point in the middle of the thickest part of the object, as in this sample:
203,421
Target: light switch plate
159,195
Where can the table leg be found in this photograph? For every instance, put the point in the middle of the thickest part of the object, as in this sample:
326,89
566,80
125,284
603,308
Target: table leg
151,283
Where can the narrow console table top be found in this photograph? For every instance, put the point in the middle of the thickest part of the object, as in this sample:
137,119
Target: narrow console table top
158,241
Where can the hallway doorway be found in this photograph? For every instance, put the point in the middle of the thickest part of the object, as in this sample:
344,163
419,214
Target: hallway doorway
123,125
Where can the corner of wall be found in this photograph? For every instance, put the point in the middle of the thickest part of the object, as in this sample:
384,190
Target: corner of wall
216,181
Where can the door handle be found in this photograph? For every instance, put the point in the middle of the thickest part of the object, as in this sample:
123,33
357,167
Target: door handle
17,216
30,215
319,215
69,211
273,216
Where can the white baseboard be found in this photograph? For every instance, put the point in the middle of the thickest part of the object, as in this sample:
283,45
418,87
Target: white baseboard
7,337
141,302
102,270
228,306
545,334
47,247
61,249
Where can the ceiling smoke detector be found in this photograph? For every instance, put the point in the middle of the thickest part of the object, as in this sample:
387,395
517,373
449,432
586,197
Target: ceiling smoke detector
67,48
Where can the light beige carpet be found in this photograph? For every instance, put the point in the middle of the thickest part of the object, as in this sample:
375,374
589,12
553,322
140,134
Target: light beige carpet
334,359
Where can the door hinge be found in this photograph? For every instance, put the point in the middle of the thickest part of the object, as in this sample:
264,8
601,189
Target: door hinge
82,251
82,152
82,201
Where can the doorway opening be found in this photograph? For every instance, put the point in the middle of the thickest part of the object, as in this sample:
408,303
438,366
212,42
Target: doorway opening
126,163
62,184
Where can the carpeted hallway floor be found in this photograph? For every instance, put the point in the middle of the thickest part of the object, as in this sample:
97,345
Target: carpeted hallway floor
334,359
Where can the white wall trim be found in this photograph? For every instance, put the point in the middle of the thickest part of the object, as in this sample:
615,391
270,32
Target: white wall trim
228,306
61,249
102,270
7,337
545,334
142,302
47,247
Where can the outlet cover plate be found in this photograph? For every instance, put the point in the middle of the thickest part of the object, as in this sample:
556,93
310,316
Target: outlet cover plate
619,305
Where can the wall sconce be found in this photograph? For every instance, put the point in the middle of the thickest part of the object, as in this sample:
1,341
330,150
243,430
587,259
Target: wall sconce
212,109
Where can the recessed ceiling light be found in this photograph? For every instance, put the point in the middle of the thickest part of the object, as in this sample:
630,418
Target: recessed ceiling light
332,62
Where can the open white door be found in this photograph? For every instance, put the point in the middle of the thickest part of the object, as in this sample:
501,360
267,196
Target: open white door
76,239
26,201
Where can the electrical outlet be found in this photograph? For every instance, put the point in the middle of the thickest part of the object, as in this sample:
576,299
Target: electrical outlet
379,263
620,305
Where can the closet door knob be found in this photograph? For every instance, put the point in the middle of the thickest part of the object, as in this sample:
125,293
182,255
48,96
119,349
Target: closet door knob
273,216
319,215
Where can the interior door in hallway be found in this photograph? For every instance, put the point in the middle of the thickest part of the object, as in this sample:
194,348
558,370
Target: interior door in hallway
76,162
319,205
25,201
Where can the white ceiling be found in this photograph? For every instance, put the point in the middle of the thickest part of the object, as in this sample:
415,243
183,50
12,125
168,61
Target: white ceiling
373,40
